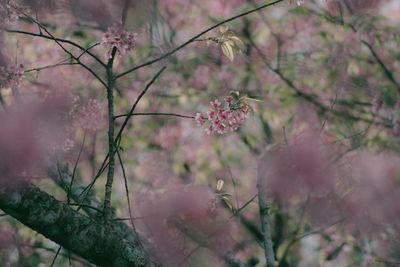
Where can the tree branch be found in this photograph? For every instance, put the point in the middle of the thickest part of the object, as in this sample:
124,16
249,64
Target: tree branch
62,177
173,51
385,70
265,227
154,114
52,37
62,41
129,115
311,98
74,231
111,146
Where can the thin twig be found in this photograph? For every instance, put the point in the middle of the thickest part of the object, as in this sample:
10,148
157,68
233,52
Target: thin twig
55,257
52,66
244,206
74,170
87,49
234,186
86,206
195,38
67,51
126,189
38,246
310,98
118,137
335,20
59,40
326,119
86,190
385,69
154,114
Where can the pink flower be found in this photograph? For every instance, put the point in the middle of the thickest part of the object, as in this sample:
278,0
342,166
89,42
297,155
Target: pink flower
91,118
221,115
209,130
199,119
118,37
222,120
216,103
211,115
229,99
11,76
9,11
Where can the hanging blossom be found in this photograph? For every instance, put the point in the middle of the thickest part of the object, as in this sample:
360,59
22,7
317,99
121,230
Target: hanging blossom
11,76
118,37
221,119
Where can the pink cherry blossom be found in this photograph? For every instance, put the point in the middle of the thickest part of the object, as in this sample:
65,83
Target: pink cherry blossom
118,37
216,103
9,11
223,120
229,99
91,116
11,76
199,119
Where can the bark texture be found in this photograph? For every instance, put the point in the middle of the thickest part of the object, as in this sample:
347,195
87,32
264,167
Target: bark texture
76,232
264,217
62,176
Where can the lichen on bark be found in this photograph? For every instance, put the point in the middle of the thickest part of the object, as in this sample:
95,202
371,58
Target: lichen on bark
76,232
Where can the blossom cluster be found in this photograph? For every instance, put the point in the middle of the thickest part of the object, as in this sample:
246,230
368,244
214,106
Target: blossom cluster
9,11
11,76
118,37
89,116
222,120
